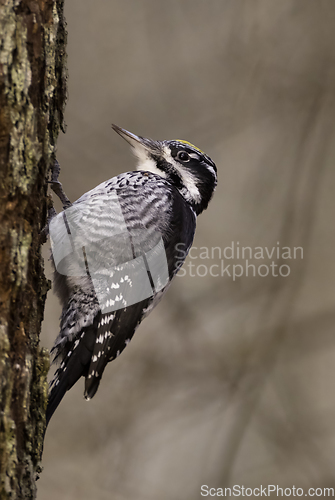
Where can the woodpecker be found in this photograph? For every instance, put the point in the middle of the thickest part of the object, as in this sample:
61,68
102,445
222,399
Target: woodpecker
115,251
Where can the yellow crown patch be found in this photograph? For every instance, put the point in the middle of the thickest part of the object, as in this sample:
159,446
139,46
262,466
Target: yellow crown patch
192,145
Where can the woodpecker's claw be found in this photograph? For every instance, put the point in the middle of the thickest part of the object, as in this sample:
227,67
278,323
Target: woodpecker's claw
57,187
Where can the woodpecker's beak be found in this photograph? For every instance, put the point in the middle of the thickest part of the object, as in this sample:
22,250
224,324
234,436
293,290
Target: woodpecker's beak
132,139
136,140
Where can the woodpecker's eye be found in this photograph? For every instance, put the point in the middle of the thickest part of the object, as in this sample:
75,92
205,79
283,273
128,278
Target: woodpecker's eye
182,156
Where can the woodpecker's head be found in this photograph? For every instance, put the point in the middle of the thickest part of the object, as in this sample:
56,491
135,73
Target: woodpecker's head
185,166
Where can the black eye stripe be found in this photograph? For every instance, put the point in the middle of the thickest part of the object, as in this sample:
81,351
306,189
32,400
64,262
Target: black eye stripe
197,157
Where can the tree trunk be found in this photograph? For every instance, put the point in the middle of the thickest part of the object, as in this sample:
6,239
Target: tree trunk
32,99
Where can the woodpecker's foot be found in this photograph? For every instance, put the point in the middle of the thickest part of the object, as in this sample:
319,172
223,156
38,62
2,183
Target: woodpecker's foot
44,234
51,213
57,187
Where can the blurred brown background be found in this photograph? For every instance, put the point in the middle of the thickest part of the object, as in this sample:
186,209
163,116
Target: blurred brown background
228,381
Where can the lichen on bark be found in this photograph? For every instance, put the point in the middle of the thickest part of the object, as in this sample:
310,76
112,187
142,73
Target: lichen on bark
32,100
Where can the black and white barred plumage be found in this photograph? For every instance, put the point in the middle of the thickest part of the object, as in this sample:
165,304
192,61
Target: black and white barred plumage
116,250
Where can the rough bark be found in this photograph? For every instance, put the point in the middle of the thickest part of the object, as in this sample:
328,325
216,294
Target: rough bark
32,98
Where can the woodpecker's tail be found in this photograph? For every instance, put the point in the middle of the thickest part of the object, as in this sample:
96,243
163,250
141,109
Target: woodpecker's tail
76,361
56,395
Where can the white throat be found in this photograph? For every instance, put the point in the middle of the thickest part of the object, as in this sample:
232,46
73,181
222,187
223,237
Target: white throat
145,162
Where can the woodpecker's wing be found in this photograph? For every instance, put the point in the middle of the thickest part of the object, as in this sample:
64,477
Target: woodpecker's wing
114,335
116,329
